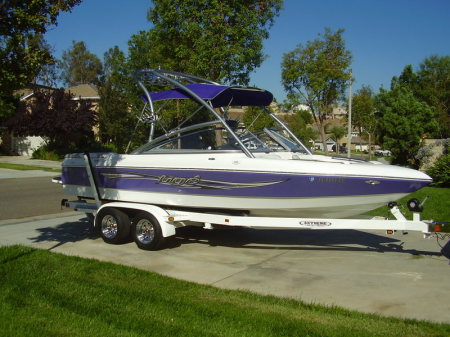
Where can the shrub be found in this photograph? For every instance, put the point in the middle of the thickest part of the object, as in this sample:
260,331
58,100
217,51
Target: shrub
440,172
44,153
109,147
428,155
425,154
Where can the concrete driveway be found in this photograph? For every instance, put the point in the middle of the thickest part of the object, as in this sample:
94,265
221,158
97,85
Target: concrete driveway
402,276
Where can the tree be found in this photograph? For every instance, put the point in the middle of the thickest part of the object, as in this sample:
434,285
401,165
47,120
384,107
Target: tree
433,87
298,123
79,65
363,113
317,75
54,114
403,121
337,132
219,40
431,84
257,119
115,119
22,51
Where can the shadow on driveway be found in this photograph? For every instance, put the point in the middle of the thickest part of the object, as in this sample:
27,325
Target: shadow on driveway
238,237
307,240
67,232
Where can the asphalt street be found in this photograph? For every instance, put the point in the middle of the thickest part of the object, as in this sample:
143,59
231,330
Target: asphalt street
28,193
401,275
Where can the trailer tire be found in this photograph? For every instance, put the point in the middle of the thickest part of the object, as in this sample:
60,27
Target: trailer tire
146,231
114,225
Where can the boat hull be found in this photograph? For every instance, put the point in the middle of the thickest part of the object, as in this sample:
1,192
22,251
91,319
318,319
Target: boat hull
260,193
330,207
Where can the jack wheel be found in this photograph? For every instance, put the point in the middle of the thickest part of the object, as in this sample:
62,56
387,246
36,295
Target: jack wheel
392,204
414,205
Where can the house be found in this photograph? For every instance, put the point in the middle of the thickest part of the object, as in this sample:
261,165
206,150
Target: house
360,144
319,146
237,112
25,146
338,112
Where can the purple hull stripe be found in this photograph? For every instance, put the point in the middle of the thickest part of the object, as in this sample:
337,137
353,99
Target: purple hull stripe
230,183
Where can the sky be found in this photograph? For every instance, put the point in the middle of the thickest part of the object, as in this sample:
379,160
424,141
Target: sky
383,35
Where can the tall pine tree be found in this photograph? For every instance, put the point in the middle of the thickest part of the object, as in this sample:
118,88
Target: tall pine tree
79,66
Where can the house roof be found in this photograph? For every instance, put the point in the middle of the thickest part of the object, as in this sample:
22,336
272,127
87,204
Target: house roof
359,140
329,140
28,91
84,91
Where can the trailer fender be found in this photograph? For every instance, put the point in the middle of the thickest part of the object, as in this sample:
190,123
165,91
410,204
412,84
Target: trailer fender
167,228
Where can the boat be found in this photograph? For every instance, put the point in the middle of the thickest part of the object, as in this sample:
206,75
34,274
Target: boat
216,165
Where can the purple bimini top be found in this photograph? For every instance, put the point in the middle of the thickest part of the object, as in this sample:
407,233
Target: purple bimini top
219,95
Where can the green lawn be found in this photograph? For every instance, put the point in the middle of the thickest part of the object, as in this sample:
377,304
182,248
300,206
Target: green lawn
49,294
26,167
437,206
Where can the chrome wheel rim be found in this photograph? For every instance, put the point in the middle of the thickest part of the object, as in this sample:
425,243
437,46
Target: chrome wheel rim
145,231
109,227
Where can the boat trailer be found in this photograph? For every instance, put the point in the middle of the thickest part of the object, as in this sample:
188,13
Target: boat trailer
150,225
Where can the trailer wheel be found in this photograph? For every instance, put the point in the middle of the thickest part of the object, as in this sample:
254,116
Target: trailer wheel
146,231
114,225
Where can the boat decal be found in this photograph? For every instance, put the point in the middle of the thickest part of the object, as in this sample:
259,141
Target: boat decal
336,180
190,182
373,182
314,223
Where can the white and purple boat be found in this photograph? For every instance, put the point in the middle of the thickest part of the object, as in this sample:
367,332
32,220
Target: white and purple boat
219,166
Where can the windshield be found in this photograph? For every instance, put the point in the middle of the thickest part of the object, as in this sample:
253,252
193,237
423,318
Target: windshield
252,142
285,140
213,138
206,138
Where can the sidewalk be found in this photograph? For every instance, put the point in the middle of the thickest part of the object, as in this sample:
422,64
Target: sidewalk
24,160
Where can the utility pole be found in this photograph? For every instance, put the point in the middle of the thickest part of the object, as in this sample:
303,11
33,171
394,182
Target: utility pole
349,130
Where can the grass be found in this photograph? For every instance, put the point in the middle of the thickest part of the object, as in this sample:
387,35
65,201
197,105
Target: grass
27,167
437,206
49,294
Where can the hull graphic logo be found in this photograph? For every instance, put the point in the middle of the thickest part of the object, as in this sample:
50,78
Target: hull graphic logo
190,182
168,180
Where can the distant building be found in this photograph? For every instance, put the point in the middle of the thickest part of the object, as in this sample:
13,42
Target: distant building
302,107
339,112
25,146
358,143
319,146
85,92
